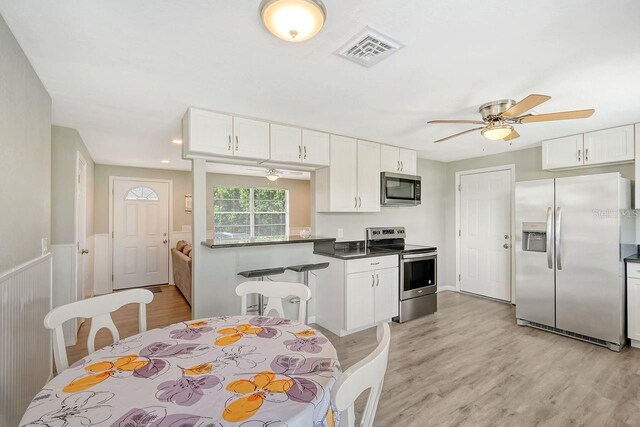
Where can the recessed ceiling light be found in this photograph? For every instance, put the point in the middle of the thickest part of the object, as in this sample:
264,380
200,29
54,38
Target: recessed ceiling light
293,20
177,141
165,161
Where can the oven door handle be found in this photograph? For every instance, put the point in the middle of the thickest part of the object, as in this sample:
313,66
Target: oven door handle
417,257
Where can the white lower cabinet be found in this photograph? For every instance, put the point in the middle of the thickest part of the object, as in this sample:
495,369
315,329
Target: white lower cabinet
633,303
353,295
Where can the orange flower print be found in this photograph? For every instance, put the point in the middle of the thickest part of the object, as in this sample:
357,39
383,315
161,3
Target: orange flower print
199,324
307,333
254,392
201,369
231,335
104,370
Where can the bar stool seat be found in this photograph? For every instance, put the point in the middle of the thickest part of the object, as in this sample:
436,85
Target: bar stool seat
261,274
250,274
308,267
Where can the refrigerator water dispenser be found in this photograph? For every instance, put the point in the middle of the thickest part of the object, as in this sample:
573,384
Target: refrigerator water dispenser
534,236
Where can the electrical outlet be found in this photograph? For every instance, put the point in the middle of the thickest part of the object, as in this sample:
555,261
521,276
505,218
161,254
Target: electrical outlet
45,245
340,232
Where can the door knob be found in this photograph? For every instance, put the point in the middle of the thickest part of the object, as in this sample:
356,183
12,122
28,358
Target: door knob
165,241
506,246
506,236
84,251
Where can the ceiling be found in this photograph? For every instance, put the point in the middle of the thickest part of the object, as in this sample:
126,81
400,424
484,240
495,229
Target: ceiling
123,72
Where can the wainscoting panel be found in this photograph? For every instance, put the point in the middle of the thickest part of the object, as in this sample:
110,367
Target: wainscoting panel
101,264
64,285
25,344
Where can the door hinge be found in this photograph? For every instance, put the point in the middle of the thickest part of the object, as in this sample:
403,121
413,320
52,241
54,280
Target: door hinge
459,277
112,235
459,187
78,178
112,278
459,232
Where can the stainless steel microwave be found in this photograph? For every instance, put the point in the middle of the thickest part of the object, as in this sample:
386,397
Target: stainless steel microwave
399,189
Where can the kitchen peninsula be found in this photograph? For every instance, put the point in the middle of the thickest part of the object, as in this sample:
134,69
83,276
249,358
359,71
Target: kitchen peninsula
225,258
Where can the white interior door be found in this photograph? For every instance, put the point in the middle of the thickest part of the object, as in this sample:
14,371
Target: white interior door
81,290
485,234
140,233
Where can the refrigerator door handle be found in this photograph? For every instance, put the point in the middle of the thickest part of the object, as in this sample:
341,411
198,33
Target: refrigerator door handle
558,241
549,230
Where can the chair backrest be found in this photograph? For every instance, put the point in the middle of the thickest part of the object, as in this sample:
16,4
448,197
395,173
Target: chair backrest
275,292
366,374
98,309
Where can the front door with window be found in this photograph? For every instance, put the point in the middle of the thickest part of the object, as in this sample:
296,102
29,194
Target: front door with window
140,233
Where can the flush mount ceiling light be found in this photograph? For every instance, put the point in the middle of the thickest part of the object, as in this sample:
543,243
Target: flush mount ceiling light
497,131
272,175
293,20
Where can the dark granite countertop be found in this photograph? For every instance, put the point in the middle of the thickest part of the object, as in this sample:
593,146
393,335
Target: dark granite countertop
263,241
349,250
633,258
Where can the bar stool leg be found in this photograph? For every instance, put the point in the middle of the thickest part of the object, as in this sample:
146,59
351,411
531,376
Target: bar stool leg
306,313
261,301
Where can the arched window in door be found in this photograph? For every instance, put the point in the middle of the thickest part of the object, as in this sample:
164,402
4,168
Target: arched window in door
141,193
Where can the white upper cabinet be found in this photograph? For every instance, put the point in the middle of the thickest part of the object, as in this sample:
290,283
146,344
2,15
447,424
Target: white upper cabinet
207,133
398,160
609,145
315,147
408,161
286,143
562,152
389,159
368,176
613,145
251,138
343,175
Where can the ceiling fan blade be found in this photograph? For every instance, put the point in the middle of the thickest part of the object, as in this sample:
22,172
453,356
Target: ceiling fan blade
458,134
565,115
525,105
474,122
513,135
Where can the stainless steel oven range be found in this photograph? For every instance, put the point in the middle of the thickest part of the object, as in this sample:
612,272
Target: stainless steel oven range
418,271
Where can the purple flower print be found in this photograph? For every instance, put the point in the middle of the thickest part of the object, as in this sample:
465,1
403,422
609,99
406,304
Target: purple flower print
269,321
186,391
156,416
189,333
307,345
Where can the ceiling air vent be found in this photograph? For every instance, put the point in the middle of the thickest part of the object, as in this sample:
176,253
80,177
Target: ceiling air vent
369,47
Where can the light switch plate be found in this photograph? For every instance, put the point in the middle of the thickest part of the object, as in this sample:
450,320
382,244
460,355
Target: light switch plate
45,245
340,232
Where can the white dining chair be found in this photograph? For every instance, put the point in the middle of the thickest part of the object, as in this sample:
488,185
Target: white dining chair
275,292
366,374
99,310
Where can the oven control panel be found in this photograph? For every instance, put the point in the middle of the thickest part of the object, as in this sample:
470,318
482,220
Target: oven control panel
383,233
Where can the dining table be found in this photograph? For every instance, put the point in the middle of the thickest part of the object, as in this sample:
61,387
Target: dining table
250,371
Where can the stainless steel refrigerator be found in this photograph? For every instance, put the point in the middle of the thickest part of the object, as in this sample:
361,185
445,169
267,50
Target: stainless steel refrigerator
572,235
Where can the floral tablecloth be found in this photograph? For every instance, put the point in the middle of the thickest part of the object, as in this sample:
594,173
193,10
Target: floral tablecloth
225,371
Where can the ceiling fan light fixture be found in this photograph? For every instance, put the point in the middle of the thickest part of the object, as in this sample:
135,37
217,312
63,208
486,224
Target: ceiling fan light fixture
272,175
293,20
497,132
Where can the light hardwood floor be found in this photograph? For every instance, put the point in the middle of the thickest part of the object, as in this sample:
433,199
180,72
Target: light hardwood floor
471,365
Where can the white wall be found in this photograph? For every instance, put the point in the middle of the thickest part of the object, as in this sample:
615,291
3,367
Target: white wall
424,223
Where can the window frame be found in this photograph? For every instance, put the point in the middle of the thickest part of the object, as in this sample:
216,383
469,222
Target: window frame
252,212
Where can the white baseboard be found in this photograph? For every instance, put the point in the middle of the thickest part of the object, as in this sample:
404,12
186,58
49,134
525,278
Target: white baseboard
446,288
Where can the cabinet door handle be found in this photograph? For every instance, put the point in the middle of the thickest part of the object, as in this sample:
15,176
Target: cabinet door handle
305,152
237,143
373,280
359,202
579,155
586,154
356,200
299,151
398,168
401,166
377,280
229,148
